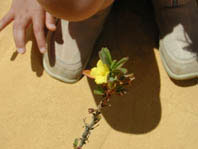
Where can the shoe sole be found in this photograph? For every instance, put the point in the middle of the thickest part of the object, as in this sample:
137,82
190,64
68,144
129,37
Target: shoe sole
168,70
55,76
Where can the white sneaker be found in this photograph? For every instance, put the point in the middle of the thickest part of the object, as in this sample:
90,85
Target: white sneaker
71,45
178,22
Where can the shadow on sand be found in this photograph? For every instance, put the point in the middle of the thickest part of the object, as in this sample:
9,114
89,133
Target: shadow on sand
129,34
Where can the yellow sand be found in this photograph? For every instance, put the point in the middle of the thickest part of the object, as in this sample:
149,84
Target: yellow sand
38,112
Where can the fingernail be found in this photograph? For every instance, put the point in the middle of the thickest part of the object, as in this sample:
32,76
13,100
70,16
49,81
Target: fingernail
43,50
52,26
21,50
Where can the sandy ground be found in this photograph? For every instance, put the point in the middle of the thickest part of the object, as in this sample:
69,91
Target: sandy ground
38,112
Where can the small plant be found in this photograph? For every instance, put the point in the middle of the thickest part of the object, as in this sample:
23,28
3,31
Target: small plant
111,78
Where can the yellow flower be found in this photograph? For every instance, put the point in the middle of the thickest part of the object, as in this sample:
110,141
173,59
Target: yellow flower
100,73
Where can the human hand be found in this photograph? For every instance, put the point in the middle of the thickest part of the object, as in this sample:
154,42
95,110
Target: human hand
26,12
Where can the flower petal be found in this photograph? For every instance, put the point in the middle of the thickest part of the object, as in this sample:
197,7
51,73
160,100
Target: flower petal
100,64
94,72
101,79
100,73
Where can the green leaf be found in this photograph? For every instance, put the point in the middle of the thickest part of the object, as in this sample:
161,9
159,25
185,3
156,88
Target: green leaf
123,70
99,91
108,54
105,56
113,63
75,144
112,79
120,63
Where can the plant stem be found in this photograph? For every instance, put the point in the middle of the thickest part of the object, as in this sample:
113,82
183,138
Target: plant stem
89,127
